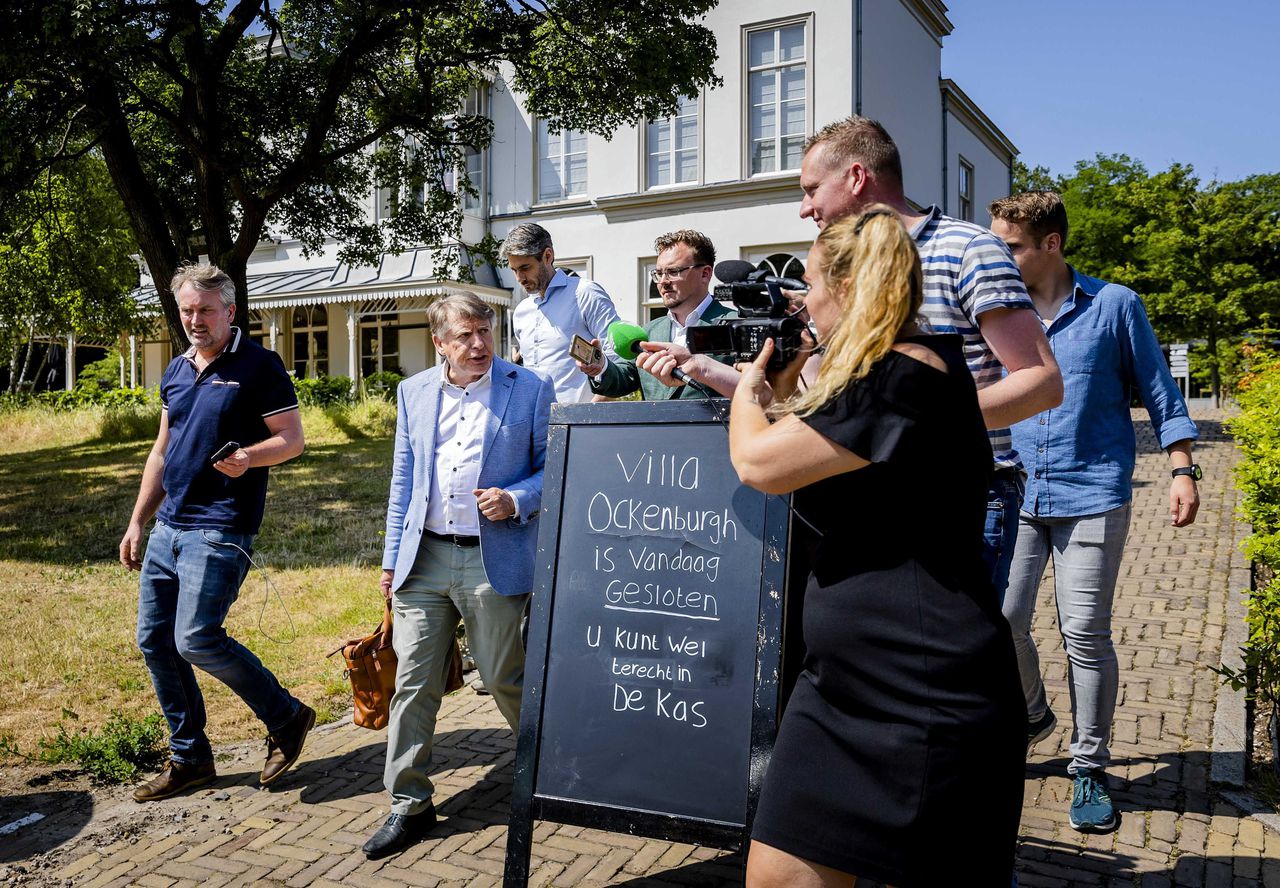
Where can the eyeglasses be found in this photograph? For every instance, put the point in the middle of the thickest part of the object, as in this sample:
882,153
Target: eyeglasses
659,273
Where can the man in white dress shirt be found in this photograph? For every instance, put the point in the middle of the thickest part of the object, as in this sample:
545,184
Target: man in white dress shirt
558,307
466,487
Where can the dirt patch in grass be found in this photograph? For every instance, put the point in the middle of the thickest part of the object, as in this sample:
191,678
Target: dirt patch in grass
69,608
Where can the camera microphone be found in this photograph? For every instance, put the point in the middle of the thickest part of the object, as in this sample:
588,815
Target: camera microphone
733,271
736,271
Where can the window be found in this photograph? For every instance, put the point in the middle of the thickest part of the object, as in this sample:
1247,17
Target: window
966,190
562,163
782,265
671,147
310,342
473,160
777,98
259,331
380,344
651,306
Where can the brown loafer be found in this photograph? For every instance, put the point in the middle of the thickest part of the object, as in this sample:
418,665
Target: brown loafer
175,778
285,745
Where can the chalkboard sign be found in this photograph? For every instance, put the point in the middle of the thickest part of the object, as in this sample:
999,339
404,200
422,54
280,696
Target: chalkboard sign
650,699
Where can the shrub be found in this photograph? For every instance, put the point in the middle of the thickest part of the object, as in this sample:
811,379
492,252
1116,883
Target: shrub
118,753
382,385
129,422
101,375
1257,432
324,391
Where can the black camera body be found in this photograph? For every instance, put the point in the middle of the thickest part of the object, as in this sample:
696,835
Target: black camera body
763,314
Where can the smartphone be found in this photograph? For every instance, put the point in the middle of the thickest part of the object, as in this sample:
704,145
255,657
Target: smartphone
224,451
582,350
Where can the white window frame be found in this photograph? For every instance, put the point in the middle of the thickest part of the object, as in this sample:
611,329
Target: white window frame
563,137
805,21
312,369
649,298
964,204
645,152
378,322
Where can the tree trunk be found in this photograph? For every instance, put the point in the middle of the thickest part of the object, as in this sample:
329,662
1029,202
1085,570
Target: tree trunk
26,363
13,365
147,217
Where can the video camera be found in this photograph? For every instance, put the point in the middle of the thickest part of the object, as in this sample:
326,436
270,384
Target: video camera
763,314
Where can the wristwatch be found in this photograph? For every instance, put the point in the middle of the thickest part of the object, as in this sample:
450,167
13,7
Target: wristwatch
1193,470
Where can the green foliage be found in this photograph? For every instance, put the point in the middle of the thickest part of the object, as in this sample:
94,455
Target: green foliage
218,119
370,418
65,248
382,385
1257,432
88,395
118,753
1204,257
101,375
324,391
129,422
1039,178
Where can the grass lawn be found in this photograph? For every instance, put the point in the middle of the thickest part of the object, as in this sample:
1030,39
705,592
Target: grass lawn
69,608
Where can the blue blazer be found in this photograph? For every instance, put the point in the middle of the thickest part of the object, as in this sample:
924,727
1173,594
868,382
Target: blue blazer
515,446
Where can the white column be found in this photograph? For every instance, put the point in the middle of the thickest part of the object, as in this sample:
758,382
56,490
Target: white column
133,361
353,344
71,361
273,328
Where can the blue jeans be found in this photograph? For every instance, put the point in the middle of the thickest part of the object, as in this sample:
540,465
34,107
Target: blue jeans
190,578
1004,501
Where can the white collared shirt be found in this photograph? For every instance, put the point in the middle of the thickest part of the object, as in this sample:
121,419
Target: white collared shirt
544,325
679,331
460,422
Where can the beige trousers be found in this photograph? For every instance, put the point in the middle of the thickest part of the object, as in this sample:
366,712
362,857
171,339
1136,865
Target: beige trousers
447,584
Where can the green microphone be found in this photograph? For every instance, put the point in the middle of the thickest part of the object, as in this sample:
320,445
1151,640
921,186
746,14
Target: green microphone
626,344
626,339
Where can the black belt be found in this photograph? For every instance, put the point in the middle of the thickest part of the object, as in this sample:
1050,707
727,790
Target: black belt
466,542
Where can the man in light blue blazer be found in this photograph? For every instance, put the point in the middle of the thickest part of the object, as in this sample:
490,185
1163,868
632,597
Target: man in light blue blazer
466,487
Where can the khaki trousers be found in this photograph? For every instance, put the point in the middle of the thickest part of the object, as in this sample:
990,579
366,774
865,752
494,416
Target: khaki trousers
446,584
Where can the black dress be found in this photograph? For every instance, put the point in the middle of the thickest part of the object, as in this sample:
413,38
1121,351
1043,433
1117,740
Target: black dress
901,752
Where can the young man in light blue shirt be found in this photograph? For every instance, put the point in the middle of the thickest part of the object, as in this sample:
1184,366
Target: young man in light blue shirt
1079,459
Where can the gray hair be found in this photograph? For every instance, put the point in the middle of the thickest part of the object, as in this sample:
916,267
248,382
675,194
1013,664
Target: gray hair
529,239
205,277
463,304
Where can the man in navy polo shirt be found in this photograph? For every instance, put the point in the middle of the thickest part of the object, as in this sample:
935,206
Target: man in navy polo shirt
224,389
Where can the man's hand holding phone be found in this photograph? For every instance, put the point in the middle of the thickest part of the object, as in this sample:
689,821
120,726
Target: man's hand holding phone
587,355
231,460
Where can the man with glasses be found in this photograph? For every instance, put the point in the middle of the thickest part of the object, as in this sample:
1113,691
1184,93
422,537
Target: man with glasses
559,307
683,276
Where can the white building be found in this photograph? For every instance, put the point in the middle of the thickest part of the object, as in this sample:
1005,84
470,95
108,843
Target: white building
727,165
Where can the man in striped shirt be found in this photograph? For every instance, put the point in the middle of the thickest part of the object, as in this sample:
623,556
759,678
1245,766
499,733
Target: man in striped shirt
971,287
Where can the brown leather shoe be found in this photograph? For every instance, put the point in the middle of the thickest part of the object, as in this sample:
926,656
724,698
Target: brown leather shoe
285,745
175,778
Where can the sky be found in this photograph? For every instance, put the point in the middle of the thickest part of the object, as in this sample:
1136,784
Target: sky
1163,81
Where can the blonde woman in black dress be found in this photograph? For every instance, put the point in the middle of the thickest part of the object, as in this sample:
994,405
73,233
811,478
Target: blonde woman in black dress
900,756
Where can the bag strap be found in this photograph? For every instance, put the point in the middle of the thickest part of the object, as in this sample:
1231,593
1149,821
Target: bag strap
382,634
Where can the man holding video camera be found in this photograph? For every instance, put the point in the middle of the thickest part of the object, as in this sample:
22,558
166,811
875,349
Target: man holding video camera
208,492
683,276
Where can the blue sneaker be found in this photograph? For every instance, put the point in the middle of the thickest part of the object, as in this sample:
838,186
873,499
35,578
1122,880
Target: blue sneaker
1091,807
